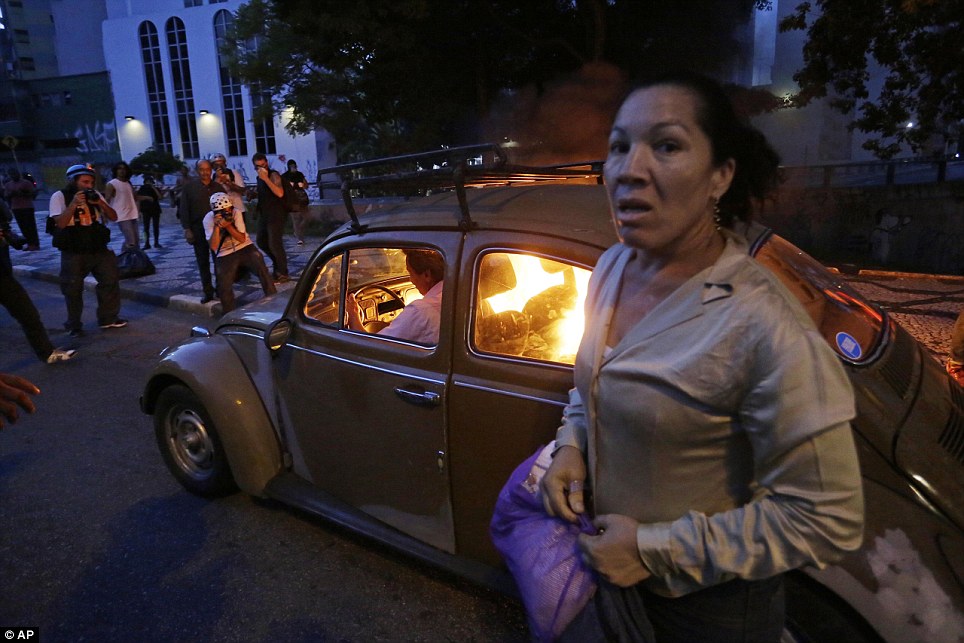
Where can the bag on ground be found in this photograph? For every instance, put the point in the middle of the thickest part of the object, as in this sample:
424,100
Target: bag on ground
134,262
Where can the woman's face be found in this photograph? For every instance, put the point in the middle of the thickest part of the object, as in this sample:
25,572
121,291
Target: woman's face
659,174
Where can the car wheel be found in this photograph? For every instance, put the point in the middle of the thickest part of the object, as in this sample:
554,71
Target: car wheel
190,444
814,613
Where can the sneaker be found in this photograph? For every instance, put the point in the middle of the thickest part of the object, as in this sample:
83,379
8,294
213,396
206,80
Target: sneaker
147,246
75,332
301,242
206,298
281,279
157,245
117,323
60,355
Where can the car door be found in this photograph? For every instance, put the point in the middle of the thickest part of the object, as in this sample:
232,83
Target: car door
365,415
512,369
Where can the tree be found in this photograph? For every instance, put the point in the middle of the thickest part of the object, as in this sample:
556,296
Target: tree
155,162
394,76
919,45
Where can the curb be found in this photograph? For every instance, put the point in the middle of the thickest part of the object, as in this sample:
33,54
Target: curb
184,303
850,271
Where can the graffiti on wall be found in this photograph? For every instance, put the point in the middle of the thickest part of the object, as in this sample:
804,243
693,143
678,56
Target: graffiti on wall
101,136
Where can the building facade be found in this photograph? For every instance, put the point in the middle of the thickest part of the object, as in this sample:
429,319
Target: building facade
173,92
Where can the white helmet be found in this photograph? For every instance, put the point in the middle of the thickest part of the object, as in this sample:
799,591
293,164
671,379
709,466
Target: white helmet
220,201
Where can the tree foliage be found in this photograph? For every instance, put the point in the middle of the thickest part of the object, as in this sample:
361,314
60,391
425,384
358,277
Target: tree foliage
919,45
155,162
393,76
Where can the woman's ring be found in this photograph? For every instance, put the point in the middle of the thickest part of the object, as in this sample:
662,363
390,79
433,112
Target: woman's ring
575,486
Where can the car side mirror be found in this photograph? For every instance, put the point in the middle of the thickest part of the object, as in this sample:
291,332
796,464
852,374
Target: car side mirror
277,334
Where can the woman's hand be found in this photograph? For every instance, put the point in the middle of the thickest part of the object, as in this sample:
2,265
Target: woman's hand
562,485
613,551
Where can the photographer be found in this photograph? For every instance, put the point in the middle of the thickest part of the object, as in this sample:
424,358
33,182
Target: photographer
230,181
77,213
233,249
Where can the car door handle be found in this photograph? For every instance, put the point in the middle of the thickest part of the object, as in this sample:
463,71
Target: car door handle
418,396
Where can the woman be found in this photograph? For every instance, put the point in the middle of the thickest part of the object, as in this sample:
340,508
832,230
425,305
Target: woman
709,418
149,200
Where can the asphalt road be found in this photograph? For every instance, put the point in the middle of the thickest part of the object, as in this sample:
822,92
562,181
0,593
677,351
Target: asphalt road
99,543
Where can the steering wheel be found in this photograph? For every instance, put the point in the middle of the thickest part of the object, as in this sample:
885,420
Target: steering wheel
388,291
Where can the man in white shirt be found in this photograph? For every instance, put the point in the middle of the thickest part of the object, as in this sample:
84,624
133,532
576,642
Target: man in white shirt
233,249
120,195
419,321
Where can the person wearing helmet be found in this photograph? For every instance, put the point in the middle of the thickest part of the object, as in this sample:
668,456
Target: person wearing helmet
233,249
77,213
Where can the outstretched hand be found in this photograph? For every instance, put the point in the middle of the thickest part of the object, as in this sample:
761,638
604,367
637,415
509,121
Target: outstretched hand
14,392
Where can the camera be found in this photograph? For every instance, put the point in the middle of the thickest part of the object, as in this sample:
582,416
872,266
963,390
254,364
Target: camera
92,195
227,215
223,171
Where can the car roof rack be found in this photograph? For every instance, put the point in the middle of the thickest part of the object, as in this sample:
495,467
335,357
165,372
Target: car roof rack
449,169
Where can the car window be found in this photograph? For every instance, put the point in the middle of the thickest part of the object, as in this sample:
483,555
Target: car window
325,295
529,307
850,324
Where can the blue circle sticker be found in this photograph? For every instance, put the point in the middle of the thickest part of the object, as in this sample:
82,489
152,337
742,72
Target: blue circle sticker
848,345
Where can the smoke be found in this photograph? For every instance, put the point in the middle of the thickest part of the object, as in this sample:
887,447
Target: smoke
566,121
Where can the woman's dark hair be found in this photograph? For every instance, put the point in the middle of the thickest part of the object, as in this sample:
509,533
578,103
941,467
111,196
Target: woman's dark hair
731,137
118,166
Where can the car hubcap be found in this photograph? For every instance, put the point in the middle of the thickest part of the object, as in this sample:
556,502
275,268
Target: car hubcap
190,444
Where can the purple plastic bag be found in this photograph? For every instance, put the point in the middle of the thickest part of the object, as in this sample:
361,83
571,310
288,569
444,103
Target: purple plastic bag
541,551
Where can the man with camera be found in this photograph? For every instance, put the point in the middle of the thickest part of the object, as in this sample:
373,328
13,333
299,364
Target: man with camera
76,220
230,181
193,206
233,249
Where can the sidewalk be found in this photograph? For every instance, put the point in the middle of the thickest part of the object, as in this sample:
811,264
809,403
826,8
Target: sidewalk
176,283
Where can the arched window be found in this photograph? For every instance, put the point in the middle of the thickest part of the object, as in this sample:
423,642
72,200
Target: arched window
264,126
230,91
183,92
154,80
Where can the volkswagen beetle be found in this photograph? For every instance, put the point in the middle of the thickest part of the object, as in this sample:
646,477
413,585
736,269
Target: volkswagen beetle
409,443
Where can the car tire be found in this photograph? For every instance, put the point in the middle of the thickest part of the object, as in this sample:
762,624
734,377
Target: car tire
190,444
814,613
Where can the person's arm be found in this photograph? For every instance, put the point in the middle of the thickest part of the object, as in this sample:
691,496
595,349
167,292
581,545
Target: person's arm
63,213
106,208
559,495
230,182
273,180
14,392
351,310
110,193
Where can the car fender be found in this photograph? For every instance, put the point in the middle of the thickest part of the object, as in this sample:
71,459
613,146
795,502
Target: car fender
207,366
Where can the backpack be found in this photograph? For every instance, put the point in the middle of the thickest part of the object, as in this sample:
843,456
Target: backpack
295,198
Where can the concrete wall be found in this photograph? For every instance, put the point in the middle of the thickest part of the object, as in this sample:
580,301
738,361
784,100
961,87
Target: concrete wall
837,224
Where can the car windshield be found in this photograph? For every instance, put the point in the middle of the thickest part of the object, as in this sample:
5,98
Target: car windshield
849,323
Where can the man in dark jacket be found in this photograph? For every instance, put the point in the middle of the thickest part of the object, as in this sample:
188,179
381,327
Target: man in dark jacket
271,216
194,204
